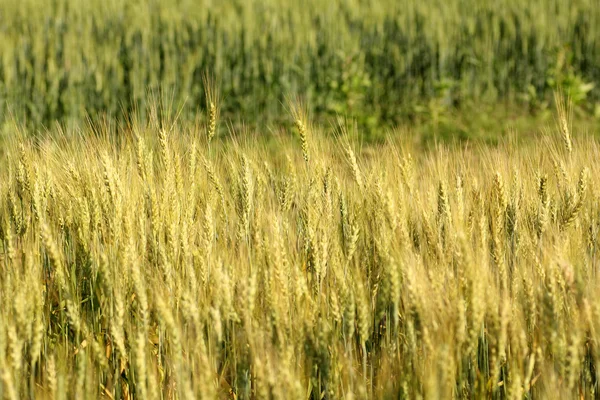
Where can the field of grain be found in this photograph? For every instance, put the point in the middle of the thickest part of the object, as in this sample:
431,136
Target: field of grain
299,200
377,61
165,262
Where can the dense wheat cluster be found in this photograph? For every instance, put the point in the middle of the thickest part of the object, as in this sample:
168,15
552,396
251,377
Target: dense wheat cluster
180,219
172,264
65,59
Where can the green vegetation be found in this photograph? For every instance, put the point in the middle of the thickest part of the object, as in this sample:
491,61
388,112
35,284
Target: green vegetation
376,61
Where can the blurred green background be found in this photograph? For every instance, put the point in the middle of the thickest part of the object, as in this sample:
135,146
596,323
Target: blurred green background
380,62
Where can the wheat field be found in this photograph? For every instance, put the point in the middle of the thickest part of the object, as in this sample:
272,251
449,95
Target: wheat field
174,263
379,61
